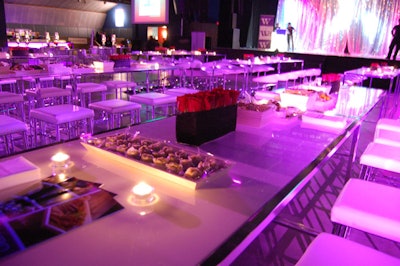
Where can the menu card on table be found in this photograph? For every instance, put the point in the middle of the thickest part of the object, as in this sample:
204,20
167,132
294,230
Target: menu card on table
56,208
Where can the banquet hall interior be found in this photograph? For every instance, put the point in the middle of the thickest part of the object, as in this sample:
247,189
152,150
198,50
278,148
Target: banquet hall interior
91,78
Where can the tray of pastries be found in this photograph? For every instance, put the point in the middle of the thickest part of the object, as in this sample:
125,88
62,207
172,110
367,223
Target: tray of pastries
160,158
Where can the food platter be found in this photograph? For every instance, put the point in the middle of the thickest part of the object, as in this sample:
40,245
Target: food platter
159,158
255,115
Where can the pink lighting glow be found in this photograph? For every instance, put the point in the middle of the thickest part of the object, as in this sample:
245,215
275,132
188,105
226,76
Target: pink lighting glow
330,25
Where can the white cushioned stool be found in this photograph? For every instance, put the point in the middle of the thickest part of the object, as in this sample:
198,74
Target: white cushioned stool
154,100
117,107
269,81
49,95
370,207
387,131
12,101
88,88
59,115
180,91
63,80
380,156
11,84
10,126
118,85
46,82
331,250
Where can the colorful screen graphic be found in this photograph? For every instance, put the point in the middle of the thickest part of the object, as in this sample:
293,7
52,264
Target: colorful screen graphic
150,11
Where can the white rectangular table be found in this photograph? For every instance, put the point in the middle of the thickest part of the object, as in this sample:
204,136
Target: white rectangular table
208,226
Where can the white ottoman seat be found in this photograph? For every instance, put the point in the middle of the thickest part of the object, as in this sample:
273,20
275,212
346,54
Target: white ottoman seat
10,126
180,91
387,131
331,250
49,95
116,107
118,85
59,115
10,83
10,101
370,207
63,80
88,88
380,156
154,100
269,81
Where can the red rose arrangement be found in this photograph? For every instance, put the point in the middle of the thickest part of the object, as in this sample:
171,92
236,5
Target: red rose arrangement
19,51
161,49
18,48
375,65
331,77
207,100
248,56
121,60
115,57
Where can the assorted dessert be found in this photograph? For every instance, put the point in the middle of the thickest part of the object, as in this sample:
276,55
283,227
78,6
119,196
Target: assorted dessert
270,105
258,103
161,155
302,92
25,67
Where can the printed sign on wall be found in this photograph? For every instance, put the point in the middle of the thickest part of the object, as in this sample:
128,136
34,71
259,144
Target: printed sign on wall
265,31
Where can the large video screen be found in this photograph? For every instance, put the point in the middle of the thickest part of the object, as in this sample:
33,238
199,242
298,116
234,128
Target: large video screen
150,11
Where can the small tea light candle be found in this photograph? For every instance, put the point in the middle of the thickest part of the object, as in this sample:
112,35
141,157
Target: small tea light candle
60,163
60,158
143,192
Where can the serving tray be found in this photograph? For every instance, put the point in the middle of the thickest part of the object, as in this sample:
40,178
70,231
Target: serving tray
160,159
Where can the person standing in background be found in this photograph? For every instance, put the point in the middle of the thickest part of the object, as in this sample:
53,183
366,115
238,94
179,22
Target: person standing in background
289,36
395,42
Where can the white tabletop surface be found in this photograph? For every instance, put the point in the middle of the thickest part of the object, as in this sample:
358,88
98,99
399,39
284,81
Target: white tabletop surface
186,226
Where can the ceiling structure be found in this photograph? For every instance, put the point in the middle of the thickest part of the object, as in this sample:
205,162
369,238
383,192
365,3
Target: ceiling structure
83,5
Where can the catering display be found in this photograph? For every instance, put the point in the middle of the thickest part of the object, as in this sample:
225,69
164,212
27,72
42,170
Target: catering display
321,121
307,98
206,115
257,110
159,158
58,206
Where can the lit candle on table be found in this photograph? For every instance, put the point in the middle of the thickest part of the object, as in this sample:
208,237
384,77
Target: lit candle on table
60,163
143,192
60,158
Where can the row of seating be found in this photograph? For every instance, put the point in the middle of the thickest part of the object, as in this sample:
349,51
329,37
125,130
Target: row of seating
365,205
53,121
302,76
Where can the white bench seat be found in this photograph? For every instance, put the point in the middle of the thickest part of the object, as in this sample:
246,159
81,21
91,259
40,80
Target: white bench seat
331,250
370,207
153,100
116,107
59,115
10,126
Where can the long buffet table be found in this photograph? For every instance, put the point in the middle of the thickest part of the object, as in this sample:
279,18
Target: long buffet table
213,223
